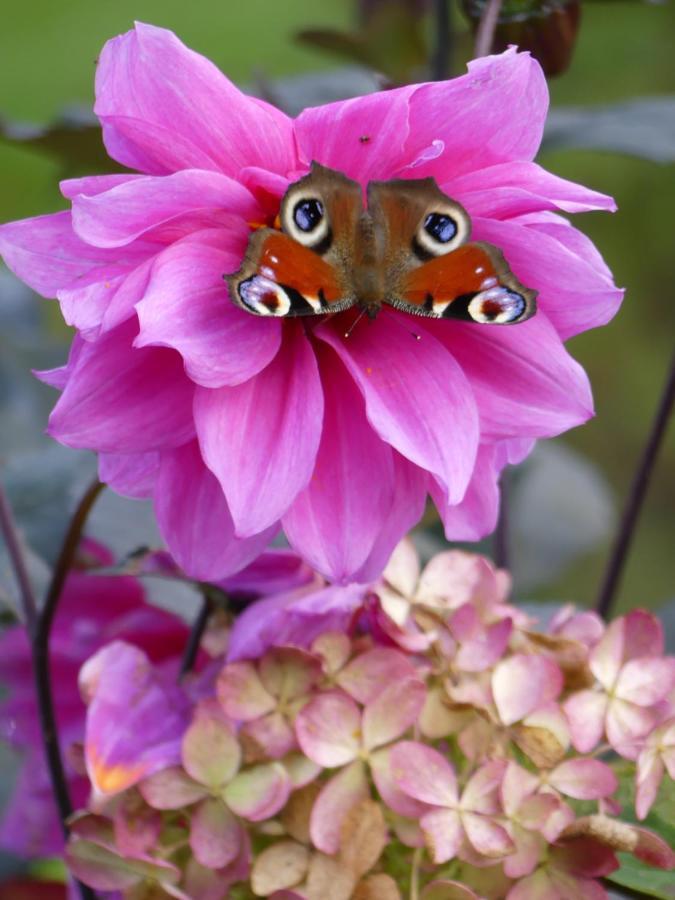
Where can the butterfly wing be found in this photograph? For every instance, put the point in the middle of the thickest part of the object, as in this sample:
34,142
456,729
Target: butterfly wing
431,269
303,270
472,282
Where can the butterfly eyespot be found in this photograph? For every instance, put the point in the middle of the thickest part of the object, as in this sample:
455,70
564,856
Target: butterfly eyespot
497,306
440,227
308,214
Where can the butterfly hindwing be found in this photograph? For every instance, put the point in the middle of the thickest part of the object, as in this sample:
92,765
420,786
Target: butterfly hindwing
472,282
280,277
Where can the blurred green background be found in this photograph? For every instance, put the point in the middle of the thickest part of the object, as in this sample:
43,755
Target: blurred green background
625,50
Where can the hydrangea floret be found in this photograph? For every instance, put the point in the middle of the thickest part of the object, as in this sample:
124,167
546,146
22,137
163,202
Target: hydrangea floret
349,765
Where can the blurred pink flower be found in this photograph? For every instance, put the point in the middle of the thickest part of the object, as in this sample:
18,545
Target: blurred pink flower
93,611
235,424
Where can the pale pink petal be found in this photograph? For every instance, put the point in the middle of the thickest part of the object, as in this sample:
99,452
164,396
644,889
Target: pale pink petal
646,680
384,775
607,655
625,723
524,381
486,836
583,779
258,792
46,253
170,789
513,188
272,733
442,833
424,774
338,796
483,650
478,119
148,205
124,402
210,752
370,672
164,107
363,137
242,694
129,474
481,794
649,774
328,729
260,438
516,785
402,572
585,712
195,521
289,673
215,834
401,380
447,890
524,859
643,634
187,307
522,683
575,294
392,711
653,849
551,717
337,519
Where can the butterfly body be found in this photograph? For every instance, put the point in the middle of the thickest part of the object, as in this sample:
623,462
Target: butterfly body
409,248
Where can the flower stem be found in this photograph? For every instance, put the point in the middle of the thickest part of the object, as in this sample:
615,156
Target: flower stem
196,634
486,29
11,537
415,874
636,496
500,538
440,63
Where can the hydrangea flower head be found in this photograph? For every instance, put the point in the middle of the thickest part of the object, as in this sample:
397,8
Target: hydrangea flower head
236,424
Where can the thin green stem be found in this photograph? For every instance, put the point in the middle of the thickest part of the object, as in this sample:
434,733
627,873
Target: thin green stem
11,537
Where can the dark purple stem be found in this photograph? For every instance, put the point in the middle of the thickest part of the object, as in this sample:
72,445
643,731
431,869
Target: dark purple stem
486,28
440,62
500,538
11,537
196,634
636,496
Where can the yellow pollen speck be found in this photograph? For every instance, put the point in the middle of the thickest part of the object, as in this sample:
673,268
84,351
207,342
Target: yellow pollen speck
369,371
106,284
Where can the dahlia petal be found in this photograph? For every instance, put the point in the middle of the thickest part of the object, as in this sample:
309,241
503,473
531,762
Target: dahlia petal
338,796
583,779
327,729
187,307
128,211
585,712
490,104
164,107
365,676
401,380
195,521
574,294
424,774
522,683
129,474
476,514
525,383
47,254
486,837
260,438
515,188
338,518
123,401
215,834
259,792
363,137
94,184
644,681
442,833
392,711
565,233
272,572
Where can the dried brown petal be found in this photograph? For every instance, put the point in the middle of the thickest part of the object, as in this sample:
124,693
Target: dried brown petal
611,832
279,866
377,887
328,879
539,744
363,837
296,814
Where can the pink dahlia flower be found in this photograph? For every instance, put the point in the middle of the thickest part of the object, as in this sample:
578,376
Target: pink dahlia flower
237,425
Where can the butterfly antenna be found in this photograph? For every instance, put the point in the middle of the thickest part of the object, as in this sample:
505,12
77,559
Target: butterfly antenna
355,323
